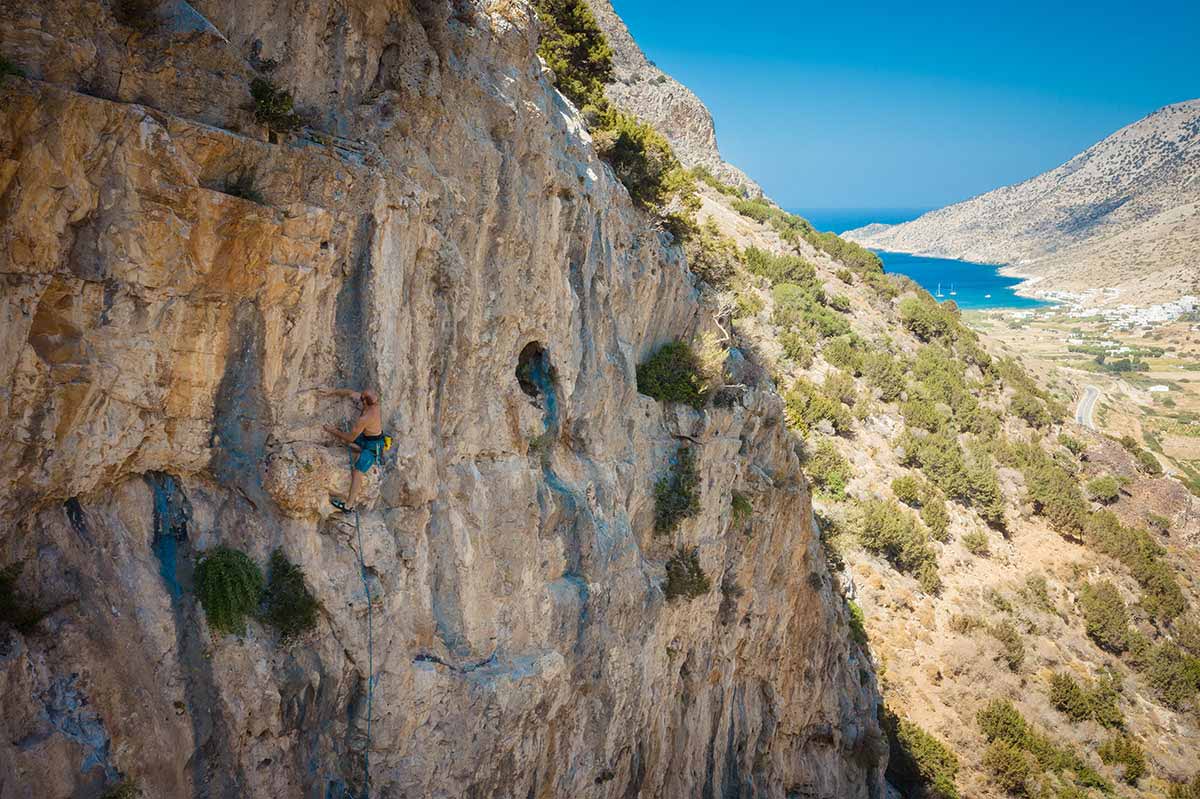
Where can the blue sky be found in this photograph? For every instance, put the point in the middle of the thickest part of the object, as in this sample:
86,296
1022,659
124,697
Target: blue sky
859,104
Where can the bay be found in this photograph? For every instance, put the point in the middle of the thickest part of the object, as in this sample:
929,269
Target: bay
971,285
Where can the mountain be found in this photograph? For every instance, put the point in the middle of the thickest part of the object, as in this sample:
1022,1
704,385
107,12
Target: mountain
1123,214
642,89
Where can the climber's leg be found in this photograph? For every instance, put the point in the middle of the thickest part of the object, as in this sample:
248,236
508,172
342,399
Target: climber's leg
355,484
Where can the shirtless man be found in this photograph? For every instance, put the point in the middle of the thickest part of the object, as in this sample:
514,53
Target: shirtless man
365,437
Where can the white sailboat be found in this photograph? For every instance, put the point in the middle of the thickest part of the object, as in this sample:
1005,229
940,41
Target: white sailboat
952,291
939,291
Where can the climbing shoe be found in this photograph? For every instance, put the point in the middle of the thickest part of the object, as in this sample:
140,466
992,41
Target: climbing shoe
339,504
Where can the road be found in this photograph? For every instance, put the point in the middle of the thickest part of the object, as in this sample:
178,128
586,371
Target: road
1083,414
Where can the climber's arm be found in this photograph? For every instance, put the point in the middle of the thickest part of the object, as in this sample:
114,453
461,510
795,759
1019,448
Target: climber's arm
360,424
339,392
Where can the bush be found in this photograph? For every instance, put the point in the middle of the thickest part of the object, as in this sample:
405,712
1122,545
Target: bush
1146,560
677,493
796,348
1187,635
779,268
1105,616
858,629
887,529
1012,648
1000,721
840,386
840,302
886,373
843,352
1173,674
806,406
1008,767
573,45
673,374
1104,489
976,542
741,508
922,413
1030,408
641,159
828,470
702,174
800,306
1121,750
846,276
15,609
925,319
288,605
274,107
908,490
918,763
1147,463
1186,790
1073,445
1054,493
685,578
965,624
712,256
933,513
1087,701
230,586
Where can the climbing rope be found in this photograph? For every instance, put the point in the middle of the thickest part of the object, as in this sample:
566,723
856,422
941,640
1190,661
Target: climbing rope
362,571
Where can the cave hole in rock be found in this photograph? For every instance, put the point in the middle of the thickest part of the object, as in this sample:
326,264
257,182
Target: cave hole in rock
535,374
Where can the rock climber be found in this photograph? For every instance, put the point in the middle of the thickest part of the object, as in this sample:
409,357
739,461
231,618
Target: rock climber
366,437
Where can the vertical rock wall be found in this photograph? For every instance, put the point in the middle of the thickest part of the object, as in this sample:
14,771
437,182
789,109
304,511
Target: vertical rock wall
161,344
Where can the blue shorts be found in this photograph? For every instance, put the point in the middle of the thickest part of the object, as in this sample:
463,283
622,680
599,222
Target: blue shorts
371,448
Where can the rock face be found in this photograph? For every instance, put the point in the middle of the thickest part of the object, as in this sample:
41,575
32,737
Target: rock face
1124,213
644,90
162,340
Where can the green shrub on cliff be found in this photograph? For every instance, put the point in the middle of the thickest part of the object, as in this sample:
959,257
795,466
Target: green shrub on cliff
230,586
828,470
778,268
574,46
677,493
672,374
273,107
685,578
9,68
288,605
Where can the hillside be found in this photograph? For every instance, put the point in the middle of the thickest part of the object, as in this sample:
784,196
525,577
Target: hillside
1123,214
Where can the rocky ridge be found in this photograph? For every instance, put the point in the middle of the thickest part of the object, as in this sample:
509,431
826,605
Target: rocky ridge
642,89
179,279
1125,214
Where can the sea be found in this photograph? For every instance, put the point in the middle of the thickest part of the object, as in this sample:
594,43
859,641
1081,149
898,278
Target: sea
970,285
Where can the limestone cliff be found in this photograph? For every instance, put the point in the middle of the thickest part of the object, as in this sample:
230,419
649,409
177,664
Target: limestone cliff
442,210
641,88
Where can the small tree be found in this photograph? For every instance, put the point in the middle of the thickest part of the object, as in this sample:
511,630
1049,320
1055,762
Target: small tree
673,374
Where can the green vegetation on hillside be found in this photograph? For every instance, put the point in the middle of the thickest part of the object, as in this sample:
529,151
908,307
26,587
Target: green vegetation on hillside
918,763
229,585
574,46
